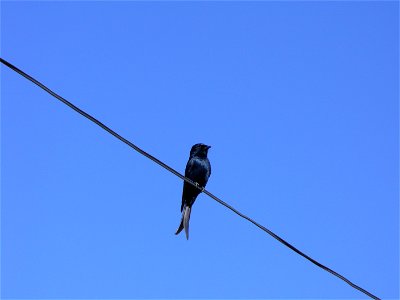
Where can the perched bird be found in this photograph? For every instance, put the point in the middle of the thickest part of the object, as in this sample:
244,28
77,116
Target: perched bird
198,169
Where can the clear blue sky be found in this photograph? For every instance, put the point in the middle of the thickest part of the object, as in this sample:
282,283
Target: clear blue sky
299,101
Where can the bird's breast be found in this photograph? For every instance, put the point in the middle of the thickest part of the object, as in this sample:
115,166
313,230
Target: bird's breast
200,171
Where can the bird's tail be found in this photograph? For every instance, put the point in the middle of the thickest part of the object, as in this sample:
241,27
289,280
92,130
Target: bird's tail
185,221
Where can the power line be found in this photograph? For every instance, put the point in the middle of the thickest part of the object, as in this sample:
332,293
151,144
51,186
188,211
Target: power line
165,166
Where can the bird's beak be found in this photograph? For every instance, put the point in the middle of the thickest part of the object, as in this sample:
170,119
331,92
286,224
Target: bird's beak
208,147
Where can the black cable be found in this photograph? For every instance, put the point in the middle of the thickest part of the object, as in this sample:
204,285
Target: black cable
130,144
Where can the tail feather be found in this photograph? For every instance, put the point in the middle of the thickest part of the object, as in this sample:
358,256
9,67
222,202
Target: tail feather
180,227
185,221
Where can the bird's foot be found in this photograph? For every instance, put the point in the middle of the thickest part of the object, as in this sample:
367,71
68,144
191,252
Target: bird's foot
199,186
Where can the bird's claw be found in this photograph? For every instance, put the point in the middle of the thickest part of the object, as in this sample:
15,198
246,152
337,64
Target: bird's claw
199,187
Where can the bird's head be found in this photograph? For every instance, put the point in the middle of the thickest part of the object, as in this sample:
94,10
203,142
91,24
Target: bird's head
199,150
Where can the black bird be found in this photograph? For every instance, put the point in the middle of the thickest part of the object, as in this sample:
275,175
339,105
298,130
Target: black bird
198,169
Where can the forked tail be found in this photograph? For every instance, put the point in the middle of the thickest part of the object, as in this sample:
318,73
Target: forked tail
185,221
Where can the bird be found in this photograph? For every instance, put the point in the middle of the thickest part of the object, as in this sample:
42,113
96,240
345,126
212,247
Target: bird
198,169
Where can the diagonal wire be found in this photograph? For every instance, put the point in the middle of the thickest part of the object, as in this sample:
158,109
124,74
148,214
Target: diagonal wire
165,166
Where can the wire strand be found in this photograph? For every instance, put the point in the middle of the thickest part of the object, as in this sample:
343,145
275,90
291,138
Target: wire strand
173,171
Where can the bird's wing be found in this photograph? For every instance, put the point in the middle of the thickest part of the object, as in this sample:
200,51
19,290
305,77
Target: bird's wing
189,167
186,186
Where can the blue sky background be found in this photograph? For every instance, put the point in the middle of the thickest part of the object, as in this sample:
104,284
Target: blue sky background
299,101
